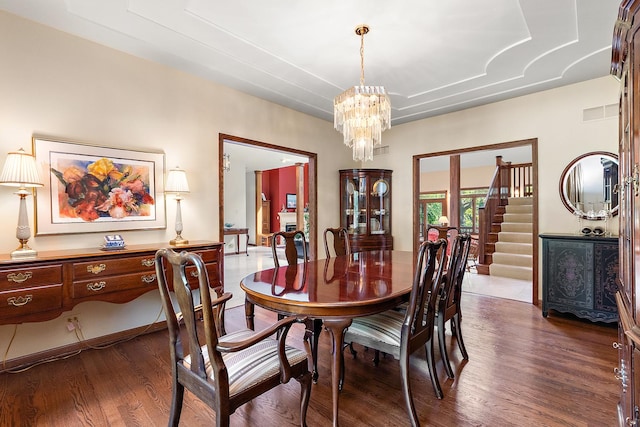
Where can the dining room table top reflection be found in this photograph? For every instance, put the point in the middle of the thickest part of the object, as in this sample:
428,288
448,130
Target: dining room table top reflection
362,276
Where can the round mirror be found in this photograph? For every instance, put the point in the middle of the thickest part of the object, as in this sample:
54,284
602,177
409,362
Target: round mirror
587,185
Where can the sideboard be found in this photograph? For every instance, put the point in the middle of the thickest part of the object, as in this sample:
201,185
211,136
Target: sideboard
579,275
42,288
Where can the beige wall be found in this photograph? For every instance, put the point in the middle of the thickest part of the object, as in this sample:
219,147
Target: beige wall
469,178
58,85
553,116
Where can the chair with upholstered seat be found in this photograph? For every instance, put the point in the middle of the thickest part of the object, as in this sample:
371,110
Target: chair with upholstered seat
449,299
401,333
341,245
228,370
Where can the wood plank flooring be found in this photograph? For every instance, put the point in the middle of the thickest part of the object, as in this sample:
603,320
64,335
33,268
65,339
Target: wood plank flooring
524,370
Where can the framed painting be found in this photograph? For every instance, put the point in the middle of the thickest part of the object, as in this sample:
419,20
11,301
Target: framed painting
89,189
291,201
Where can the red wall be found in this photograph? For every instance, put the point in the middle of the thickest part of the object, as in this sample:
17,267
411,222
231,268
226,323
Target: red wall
276,183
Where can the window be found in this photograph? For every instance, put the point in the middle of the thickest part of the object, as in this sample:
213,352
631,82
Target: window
471,199
432,205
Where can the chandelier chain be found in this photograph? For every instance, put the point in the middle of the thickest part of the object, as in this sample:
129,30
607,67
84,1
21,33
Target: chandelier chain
362,58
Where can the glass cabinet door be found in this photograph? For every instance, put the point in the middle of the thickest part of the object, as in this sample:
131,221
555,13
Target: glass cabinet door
355,212
380,214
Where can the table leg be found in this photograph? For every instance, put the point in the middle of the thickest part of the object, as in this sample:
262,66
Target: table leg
246,248
238,243
249,310
336,327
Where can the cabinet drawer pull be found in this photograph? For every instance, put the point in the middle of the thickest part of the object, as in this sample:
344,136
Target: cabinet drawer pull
20,300
194,273
149,278
97,286
96,269
19,277
148,262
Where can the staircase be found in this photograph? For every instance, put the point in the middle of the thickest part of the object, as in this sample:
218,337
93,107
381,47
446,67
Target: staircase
513,255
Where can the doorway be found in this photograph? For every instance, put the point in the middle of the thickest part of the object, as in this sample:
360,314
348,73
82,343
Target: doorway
474,157
252,160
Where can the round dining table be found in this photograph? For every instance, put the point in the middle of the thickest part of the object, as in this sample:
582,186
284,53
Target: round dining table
334,290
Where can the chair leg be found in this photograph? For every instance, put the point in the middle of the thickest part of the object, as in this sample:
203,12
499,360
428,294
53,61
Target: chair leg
176,403
341,382
305,393
443,345
457,319
354,353
313,328
406,388
432,369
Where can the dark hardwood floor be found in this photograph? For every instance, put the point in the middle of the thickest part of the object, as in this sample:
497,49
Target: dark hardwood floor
524,370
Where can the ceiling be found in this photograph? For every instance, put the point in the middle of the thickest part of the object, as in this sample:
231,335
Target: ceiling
432,56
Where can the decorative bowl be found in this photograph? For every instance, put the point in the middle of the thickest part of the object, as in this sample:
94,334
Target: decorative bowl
228,224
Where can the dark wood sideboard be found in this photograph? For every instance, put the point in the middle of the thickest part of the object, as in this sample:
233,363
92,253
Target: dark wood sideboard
42,288
579,275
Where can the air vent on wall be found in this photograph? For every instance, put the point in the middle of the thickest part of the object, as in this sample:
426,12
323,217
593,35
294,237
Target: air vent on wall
599,113
381,150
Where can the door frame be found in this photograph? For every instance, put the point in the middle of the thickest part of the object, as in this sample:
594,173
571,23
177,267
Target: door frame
533,142
313,190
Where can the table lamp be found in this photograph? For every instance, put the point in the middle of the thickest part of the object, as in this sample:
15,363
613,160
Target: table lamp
443,220
20,170
177,184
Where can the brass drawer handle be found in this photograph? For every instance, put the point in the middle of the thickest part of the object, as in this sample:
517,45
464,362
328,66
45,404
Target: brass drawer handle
149,278
97,286
194,273
19,277
96,269
148,262
19,301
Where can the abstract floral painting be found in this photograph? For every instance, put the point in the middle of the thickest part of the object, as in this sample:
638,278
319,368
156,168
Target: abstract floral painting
96,189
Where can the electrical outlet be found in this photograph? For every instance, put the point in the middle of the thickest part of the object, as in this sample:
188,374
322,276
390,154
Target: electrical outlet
73,321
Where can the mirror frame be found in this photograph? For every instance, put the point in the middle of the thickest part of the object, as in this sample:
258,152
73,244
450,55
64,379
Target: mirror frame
563,178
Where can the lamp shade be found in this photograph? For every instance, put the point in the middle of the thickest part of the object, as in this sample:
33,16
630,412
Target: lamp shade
443,220
176,181
20,170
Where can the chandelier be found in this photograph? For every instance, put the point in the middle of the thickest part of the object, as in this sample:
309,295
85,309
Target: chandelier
362,113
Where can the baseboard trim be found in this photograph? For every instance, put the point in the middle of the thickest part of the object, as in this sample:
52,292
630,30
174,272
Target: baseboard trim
24,362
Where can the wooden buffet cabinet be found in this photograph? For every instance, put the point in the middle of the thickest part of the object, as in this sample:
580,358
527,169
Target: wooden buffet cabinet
42,288
625,65
365,208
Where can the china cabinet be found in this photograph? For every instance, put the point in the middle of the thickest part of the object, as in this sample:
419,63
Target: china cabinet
365,208
625,65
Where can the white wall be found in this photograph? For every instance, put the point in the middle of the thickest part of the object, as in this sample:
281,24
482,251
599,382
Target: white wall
58,85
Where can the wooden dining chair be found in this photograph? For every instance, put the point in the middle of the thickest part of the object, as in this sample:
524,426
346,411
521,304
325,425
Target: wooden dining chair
341,245
448,304
313,327
401,333
229,370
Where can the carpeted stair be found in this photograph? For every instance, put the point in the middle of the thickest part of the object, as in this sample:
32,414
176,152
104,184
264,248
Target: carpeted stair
513,256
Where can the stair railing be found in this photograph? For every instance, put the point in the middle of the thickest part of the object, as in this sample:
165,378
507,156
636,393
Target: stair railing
497,195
